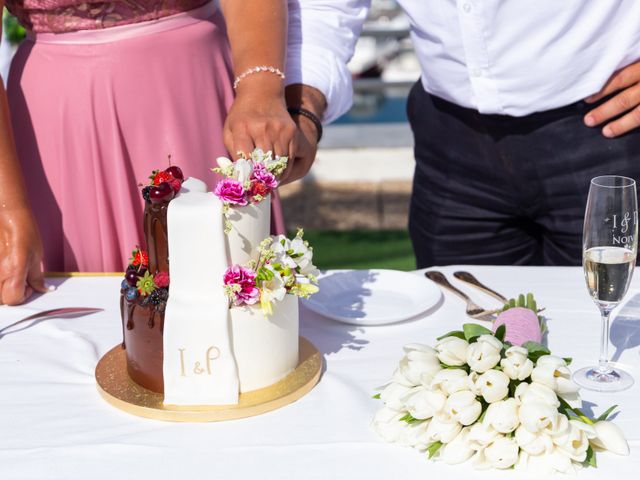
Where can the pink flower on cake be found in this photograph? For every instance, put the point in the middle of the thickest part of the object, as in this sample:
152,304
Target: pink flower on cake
240,285
231,191
161,279
261,174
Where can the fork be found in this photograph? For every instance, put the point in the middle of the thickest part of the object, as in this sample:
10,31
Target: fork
473,310
54,313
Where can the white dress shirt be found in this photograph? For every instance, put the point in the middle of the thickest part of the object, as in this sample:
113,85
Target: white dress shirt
510,57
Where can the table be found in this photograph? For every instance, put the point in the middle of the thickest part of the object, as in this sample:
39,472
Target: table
54,424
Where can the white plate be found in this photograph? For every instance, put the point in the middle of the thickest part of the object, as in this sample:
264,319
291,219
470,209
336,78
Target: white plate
373,297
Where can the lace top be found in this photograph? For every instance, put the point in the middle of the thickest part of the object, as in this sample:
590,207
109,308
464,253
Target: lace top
56,16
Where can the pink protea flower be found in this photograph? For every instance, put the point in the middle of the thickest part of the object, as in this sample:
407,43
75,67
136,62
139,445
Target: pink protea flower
161,279
261,174
241,282
230,190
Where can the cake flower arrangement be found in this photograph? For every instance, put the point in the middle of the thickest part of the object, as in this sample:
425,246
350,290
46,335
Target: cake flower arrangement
248,180
284,266
478,397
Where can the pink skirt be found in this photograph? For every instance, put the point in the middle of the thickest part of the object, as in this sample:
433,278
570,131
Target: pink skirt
94,112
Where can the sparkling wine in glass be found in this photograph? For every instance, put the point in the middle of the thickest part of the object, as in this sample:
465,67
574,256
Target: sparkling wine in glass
610,245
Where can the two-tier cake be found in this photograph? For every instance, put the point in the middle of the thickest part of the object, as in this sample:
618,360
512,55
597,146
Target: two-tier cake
210,307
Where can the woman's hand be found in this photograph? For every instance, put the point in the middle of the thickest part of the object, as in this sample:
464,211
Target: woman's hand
259,119
20,257
625,104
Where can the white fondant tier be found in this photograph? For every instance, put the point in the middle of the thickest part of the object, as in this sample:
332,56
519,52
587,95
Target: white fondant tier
265,348
250,225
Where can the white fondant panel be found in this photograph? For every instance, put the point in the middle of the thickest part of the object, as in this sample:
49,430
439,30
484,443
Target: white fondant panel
198,367
249,226
265,348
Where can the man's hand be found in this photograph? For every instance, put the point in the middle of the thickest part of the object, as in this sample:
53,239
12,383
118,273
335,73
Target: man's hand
306,139
20,257
305,153
626,103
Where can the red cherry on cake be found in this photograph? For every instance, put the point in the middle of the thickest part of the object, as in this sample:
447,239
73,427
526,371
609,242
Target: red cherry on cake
175,172
161,193
176,184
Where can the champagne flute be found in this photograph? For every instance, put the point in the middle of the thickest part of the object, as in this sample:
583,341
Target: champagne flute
610,245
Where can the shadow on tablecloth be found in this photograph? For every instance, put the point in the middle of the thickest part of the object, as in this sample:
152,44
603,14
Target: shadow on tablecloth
625,329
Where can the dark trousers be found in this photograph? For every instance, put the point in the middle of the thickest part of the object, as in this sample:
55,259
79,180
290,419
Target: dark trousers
501,190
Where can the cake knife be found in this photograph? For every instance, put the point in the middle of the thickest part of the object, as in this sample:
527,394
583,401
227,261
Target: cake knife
69,312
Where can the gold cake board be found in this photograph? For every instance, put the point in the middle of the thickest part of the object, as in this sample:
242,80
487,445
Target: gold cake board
119,390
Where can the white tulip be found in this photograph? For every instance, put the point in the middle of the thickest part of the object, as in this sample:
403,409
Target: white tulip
533,443
387,424
546,464
553,372
457,450
484,354
535,416
451,380
610,437
517,365
480,435
243,170
443,428
492,385
502,453
452,351
414,435
575,441
422,402
479,461
463,407
418,366
392,395
529,392
503,415
558,428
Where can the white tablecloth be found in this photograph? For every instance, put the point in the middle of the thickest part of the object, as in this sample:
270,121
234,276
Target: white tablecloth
54,424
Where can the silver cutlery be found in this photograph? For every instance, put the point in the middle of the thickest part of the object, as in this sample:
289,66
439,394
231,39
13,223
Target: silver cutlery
70,312
473,310
471,280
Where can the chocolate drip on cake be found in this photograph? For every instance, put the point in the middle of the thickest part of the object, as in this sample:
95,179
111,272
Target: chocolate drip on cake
144,345
155,232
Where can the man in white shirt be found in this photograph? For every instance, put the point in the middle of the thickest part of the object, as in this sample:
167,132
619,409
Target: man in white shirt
503,116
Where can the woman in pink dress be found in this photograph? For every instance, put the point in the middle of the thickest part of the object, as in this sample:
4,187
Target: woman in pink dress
101,93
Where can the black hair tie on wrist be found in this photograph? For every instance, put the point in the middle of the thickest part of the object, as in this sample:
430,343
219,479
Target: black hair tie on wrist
310,115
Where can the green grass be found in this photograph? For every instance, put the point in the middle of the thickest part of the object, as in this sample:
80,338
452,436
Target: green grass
361,249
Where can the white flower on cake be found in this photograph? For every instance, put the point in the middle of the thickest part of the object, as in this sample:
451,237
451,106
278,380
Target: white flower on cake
274,275
477,398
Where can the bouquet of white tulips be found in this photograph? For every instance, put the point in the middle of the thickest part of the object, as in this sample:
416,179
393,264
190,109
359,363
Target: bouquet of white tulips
475,397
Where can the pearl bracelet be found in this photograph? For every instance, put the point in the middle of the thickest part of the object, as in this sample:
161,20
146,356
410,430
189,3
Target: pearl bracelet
259,69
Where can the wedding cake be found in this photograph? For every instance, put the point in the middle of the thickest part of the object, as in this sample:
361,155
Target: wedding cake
210,308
